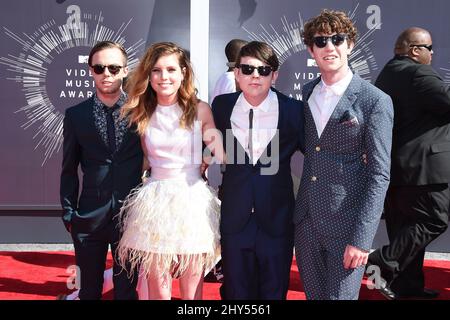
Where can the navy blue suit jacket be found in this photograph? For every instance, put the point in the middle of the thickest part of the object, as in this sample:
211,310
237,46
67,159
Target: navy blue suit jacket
243,185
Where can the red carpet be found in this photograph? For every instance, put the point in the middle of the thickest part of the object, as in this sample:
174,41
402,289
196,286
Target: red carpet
42,276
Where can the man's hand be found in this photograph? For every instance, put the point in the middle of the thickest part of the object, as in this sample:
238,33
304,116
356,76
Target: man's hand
354,257
203,168
145,175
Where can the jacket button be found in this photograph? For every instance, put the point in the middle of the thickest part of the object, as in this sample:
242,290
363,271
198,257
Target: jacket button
364,157
313,178
317,148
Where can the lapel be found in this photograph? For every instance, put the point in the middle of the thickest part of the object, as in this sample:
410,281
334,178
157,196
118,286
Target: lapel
280,108
229,111
130,133
347,100
281,115
125,139
89,125
307,91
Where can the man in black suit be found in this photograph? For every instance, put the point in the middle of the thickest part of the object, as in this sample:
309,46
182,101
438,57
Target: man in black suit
110,156
418,199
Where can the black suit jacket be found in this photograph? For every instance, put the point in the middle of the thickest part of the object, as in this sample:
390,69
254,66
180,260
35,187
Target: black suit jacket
421,136
107,178
243,185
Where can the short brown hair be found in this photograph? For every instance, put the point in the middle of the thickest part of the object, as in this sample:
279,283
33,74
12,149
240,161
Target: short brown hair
102,45
261,51
232,49
328,22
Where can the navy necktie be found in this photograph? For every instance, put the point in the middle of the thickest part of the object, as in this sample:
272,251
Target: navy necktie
250,134
111,128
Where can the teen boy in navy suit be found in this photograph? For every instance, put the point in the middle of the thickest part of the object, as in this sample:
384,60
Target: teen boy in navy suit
262,129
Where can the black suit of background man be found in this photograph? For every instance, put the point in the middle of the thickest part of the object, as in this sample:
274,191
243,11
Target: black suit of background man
417,202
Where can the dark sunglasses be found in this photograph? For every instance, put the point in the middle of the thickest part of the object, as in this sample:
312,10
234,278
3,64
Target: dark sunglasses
428,46
336,39
113,69
248,69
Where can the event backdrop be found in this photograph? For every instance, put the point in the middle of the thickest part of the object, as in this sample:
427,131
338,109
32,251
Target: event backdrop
44,44
43,68
279,23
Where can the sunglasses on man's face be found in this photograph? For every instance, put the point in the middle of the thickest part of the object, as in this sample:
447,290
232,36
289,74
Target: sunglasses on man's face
429,47
337,40
113,69
248,69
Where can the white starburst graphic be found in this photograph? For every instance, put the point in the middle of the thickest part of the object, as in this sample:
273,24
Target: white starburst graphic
31,69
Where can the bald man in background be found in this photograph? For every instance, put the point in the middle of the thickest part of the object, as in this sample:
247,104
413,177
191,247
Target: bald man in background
418,198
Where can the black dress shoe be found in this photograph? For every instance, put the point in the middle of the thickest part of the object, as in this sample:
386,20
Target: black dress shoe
383,286
387,292
422,294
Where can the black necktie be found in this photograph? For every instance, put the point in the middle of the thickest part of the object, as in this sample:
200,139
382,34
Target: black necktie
250,134
111,129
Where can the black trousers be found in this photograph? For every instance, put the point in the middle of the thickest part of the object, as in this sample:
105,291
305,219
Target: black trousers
415,216
91,250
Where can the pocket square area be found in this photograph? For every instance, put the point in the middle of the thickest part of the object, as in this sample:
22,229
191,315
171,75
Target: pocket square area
349,119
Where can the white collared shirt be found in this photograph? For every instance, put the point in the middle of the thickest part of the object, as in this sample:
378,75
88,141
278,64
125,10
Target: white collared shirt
225,84
324,99
265,123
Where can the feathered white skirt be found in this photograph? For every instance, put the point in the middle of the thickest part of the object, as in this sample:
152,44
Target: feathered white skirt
169,226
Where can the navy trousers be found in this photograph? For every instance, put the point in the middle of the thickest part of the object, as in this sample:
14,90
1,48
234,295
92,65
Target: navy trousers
256,266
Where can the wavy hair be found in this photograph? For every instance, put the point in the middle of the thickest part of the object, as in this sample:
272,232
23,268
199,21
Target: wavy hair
142,100
327,22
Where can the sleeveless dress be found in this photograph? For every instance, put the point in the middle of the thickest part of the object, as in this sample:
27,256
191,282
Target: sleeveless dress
171,221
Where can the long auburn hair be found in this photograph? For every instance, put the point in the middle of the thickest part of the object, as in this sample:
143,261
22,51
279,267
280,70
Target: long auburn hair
142,100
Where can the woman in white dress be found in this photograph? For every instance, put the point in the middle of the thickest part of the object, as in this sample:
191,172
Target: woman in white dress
171,222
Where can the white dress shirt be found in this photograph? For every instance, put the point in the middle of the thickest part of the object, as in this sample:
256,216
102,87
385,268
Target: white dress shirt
324,99
265,123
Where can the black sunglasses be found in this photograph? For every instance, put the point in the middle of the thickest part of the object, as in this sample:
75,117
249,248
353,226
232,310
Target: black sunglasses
429,47
336,39
113,69
248,69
